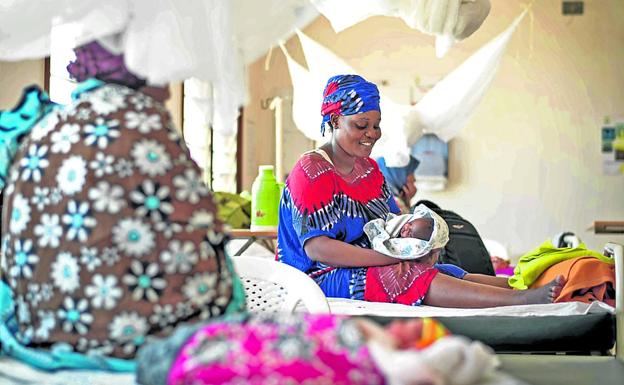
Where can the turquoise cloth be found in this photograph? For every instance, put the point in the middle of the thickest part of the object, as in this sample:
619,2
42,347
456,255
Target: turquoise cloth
87,85
534,263
16,123
34,105
19,121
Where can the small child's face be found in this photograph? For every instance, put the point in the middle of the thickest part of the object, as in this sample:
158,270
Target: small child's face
398,335
420,228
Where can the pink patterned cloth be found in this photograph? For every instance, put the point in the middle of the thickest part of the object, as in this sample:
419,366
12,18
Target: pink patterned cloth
282,349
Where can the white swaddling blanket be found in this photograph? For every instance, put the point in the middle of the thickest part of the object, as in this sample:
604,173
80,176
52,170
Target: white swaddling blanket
384,235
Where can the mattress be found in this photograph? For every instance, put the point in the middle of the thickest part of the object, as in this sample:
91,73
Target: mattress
355,307
571,327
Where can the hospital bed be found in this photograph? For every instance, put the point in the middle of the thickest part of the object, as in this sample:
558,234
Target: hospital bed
572,327
272,286
575,328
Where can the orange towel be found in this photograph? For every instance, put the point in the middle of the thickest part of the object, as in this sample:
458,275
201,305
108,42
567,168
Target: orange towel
587,280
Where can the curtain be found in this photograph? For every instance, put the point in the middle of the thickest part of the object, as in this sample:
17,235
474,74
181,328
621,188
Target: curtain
448,20
444,110
162,40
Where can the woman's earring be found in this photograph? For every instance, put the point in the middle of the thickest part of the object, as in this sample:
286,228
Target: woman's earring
333,124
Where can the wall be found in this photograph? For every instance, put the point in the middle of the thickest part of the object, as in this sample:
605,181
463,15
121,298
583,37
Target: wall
174,104
14,76
528,164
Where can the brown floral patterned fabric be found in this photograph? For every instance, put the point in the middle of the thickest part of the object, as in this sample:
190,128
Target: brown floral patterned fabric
100,245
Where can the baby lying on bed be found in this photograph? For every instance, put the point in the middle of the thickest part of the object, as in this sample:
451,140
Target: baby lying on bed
418,238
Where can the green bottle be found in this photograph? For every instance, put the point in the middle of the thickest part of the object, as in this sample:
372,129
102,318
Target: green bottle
265,195
618,143
618,147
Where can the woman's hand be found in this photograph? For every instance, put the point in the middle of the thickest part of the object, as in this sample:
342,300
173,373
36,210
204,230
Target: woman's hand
341,254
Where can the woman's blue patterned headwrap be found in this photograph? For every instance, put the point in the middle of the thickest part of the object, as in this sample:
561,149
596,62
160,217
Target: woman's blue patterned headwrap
348,95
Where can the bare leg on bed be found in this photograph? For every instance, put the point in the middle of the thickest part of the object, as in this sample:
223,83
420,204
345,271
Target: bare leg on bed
488,280
446,291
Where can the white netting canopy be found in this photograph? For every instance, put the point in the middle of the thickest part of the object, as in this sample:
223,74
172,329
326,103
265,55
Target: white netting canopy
448,20
162,40
444,110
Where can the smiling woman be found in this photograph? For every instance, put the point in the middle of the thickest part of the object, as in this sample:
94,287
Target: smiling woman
355,135
333,191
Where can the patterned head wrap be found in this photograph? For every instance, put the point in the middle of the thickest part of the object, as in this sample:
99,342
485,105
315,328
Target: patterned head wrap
95,61
348,95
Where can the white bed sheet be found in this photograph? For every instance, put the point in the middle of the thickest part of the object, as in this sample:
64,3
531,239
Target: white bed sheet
16,373
355,307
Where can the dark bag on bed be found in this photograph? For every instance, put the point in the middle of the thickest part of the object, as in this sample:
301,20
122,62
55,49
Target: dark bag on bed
465,247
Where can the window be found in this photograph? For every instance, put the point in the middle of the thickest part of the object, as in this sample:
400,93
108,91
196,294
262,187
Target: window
215,153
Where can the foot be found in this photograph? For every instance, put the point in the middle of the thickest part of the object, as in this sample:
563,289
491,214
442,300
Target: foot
547,293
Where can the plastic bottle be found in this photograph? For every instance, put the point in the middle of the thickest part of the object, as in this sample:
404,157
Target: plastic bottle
618,144
265,195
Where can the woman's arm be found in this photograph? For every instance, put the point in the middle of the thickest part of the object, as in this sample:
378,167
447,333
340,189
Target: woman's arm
341,254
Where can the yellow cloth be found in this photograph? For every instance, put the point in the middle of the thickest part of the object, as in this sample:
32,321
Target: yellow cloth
535,262
432,331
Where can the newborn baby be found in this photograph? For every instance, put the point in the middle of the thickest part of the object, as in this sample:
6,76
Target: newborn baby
408,236
420,228
420,237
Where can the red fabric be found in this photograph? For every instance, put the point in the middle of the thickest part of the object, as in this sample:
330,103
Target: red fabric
406,283
331,108
362,185
330,89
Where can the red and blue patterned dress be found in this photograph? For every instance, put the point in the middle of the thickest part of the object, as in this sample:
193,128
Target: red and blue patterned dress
318,201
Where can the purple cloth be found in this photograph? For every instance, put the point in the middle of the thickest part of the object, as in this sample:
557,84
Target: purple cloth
505,272
95,61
